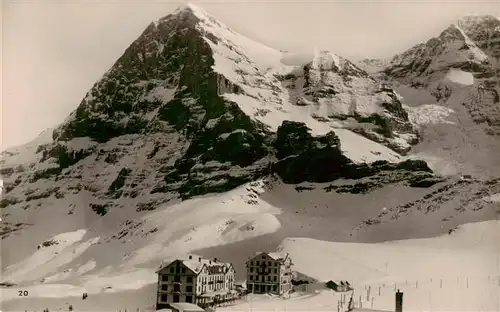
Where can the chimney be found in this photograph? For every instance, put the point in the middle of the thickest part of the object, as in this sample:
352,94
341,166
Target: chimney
210,262
399,301
199,259
190,257
215,259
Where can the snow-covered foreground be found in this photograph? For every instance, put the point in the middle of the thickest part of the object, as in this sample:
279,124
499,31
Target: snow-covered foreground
456,272
71,263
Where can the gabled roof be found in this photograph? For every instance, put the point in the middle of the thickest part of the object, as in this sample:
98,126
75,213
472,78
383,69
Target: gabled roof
278,256
197,265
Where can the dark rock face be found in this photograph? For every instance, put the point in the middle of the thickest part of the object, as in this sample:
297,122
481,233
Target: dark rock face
170,57
172,60
303,158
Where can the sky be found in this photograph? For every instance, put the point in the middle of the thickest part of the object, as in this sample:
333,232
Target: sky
54,51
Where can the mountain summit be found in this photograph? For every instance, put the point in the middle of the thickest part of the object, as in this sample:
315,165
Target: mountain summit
205,109
459,70
193,108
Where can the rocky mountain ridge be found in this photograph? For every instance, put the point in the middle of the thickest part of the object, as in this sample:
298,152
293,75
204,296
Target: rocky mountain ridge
458,70
201,125
193,108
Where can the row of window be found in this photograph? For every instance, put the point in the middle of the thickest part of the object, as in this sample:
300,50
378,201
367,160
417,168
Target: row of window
189,288
164,287
204,279
177,278
176,298
262,271
177,270
269,263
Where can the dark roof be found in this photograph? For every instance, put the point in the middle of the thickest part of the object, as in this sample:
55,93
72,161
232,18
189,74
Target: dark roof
195,265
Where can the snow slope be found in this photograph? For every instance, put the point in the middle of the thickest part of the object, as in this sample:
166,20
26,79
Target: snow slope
426,270
461,77
26,153
199,223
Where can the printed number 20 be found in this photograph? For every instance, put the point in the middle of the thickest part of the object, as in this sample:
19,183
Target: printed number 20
23,293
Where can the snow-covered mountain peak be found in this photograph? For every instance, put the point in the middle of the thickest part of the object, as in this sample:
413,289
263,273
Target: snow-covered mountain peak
194,108
429,62
191,7
476,20
201,14
326,60
484,31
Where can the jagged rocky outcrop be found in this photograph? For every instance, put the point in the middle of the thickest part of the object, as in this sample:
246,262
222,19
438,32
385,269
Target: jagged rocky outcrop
426,62
463,196
304,158
484,31
336,90
458,71
469,47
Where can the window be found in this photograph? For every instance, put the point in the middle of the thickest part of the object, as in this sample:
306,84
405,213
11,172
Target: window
251,277
269,278
176,298
275,271
177,278
189,299
251,270
164,287
189,279
171,270
275,279
269,263
189,289
177,287
183,270
274,288
251,262
164,298
164,278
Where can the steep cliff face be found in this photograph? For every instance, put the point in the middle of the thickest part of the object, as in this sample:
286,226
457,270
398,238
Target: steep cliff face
165,83
432,60
192,107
